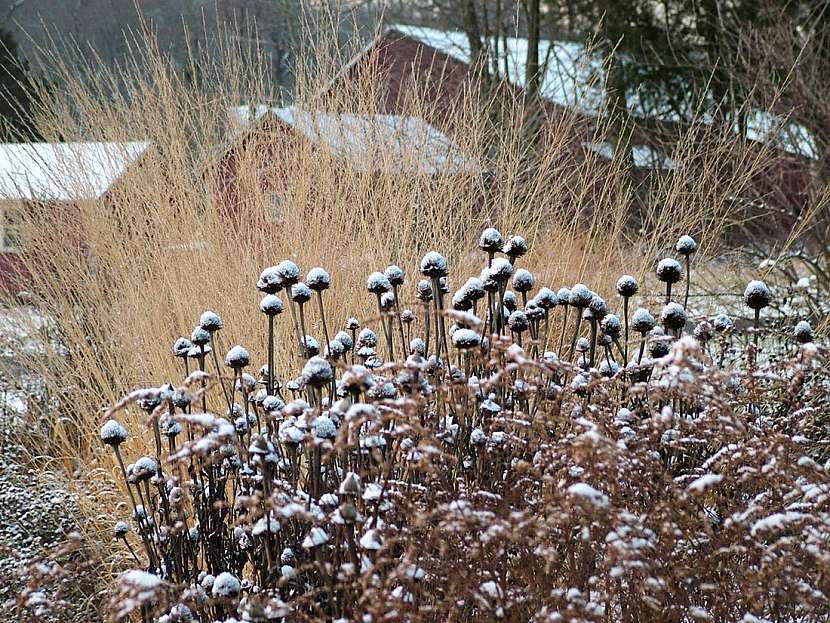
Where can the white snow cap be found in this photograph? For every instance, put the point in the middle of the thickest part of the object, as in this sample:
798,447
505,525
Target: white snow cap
589,494
63,171
226,585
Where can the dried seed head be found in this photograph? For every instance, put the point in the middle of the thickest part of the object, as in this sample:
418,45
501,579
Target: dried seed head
210,321
269,281
658,345
583,345
474,288
407,316
510,301
317,372
546,298
318,279
310,345
418,346
518,322
434,265
181,347
271,305
500,270
377,283
673,316
120,530
226,586
669,270
686,245
461,301
288,273
394,274
300,293
196,351
803,332
272,404
703,331
533,311
237,358
490,240
488,282
757,295
113,433
345,339
523,280
423,291
367,337
564,296
642,321
611,326
598,307
200,336
144,469
387,301
515,247
352,324
324,428
627,286
723,323
464,339
580,296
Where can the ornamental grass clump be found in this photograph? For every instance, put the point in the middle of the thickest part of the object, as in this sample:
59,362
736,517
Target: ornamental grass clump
480,475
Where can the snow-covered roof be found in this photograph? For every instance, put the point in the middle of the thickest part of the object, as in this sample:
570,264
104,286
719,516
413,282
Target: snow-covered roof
574,78
63,171
392,143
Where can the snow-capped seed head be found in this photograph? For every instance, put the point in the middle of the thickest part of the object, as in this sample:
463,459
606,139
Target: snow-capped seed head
580,296
658,347
387,301
335,349
723,323
510,301
196,351
288,273
608,368
318,279
517,321
515,247
237,358
226,586
418,346
181,346
611,326
272,404
352,324
345,339
642,321
669,270
113,433
598,307
395,275
546,298
210,321
673,316
310,345
423,291
377,283
367,337
434,265
350,484
523,280
500,270
144,468
169,427
686,245
324,428
407,316
564,296
490,240
460,300
199,337
317,372
533,311
803,332
120,529
487,282
270,305
300,293
583,345
269,281
703,331
627,286
757,295
464,339
474,288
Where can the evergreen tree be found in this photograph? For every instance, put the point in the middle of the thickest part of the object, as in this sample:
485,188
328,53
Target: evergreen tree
15,93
